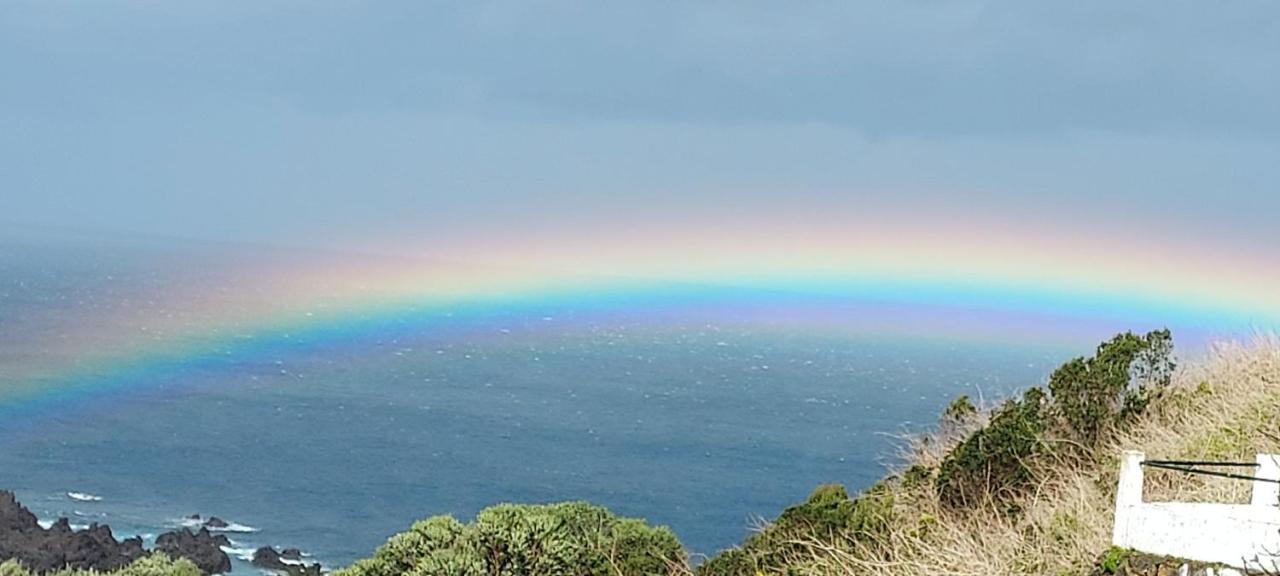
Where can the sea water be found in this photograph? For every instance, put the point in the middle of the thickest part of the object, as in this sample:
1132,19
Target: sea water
699,421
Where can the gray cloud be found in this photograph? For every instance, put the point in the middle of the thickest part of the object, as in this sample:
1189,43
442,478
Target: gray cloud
333,122
888,68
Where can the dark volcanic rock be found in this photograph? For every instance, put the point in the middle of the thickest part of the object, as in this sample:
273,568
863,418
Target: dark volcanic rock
202,548
215,522
14,517
41,550
95,548
267,558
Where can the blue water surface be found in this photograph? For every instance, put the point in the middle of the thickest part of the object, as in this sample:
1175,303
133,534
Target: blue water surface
697,421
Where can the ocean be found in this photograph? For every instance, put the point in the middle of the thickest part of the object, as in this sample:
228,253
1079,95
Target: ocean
702,420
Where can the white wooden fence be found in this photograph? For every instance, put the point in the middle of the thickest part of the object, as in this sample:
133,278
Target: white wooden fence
1240,535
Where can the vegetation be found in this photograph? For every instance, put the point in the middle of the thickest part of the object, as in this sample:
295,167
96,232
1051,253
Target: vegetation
827,514
1113,559
995,462
153,565
1093,397
1118,561
1089,400
1027,486
568,539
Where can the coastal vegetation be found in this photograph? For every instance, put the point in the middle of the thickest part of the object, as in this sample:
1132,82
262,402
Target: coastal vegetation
153,565
567,539
1024,486
1028,486
979,469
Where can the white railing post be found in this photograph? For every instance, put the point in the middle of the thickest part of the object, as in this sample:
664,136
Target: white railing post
1266,493
1128,495
1240,535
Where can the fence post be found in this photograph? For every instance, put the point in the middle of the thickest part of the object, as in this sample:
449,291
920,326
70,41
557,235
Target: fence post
1266,493
1128,495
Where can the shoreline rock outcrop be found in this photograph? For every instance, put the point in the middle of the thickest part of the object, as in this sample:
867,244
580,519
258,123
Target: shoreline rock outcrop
43,550
288,561
202,548
59,546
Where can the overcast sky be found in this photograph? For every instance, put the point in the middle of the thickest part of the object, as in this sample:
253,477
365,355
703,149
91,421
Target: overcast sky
349,123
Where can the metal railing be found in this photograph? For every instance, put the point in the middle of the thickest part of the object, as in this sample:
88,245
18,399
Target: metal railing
1195,467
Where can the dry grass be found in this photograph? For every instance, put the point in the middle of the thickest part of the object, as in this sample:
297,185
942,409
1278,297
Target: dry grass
1226,407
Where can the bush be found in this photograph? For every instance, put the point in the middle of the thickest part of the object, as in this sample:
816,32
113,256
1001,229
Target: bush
572,538
994,463
1094,396
153,565
1089,399
960,410
828,514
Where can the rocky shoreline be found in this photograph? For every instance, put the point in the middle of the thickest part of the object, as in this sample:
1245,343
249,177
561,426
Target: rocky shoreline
60,546
288,561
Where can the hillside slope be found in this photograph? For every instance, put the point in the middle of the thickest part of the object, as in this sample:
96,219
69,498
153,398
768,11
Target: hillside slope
1225,407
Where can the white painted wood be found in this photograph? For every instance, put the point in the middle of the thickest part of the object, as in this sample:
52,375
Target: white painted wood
1266,493
1241,535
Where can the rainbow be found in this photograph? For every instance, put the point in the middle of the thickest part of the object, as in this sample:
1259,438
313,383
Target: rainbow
963,284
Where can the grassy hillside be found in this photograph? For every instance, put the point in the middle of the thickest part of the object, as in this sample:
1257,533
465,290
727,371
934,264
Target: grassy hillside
1058,519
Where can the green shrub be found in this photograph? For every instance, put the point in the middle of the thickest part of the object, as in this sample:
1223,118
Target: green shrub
153,565
916,476
160,565
1089,398
1094,396
828,514
994,463
573,538
960,410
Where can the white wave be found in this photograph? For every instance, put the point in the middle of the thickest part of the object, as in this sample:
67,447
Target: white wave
46,524
198,523
83,497
233,527
245,554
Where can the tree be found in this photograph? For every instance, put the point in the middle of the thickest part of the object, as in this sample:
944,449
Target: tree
1094,396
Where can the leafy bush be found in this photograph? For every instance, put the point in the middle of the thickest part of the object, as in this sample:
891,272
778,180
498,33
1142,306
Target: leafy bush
1094,396
153,565
959,410
994,462
12,568
1089,398
572,538
826,515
